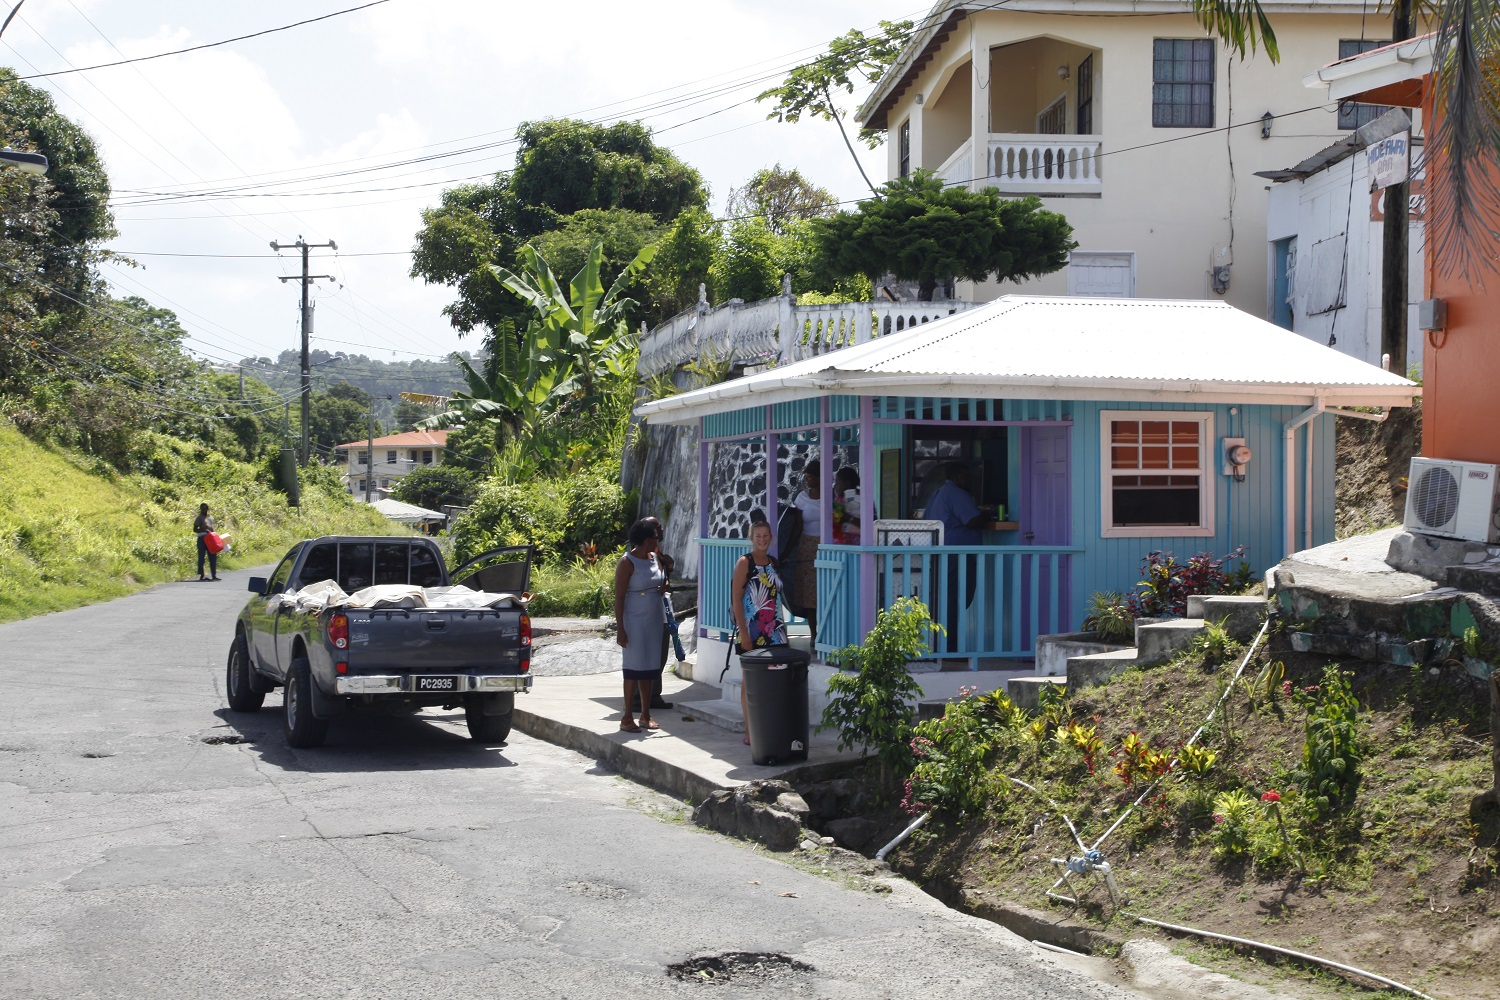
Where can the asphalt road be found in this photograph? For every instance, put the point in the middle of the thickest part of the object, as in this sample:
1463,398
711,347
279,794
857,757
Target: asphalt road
143,855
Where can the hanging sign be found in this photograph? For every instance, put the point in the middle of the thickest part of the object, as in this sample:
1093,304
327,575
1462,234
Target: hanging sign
1389,160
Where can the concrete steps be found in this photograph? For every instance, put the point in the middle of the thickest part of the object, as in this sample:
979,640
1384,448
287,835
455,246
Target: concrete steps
1155,642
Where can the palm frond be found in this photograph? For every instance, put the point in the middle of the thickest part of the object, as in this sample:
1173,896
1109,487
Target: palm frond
1241,24
1463,147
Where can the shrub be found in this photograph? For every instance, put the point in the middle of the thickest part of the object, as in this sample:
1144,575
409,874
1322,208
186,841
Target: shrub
1235,814
557,516
872,707
1166,584
1214,644
950,770
437,486
1333,745
1110,616
576,590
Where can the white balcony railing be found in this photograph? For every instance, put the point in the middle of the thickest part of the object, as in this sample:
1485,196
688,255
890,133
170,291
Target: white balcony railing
958,169
1045,164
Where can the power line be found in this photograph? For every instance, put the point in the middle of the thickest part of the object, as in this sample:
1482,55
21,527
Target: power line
206,45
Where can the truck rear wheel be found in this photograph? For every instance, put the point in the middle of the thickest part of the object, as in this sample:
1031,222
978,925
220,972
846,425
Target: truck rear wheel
238,679
303,729
487,728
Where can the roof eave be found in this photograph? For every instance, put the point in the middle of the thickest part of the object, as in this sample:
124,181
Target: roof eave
1024,387
1385,69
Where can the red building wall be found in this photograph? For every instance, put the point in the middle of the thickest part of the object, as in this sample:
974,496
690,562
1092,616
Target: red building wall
1461,364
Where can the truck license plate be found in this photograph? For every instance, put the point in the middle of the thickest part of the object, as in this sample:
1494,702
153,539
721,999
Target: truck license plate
437,683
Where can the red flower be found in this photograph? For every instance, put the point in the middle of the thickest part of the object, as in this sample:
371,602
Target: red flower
1271,796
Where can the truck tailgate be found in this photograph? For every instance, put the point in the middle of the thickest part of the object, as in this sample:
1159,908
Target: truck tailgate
419,640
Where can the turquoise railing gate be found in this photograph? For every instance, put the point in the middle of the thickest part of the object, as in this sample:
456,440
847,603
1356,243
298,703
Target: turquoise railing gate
717,557
838,597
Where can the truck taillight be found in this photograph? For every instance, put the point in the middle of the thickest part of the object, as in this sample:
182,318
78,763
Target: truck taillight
338,631
525,629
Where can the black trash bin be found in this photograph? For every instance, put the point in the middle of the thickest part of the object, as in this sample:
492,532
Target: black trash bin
775,679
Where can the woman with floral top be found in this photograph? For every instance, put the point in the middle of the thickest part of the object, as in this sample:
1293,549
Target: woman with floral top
753,595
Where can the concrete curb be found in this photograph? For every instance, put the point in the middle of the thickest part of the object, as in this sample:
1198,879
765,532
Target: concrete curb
623,758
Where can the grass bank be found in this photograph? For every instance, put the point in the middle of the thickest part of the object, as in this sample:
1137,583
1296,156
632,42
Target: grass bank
1328,819
74,531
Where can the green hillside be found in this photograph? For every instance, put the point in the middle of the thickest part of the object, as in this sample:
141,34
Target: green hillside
74,531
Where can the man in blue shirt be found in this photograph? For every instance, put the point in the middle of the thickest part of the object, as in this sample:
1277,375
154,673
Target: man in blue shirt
962,519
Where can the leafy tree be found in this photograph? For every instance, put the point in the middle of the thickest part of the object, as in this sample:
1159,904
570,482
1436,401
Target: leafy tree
406,414
919,230
562,167
781,198
75,189
565,166
748,264
808,89
434,486
620,232
340,415
684,258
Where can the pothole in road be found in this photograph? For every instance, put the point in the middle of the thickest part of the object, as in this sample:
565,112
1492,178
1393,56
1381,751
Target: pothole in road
596,890
217,741
741,967
96,755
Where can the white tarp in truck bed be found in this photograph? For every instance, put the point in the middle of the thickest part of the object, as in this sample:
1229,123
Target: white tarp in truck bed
326,594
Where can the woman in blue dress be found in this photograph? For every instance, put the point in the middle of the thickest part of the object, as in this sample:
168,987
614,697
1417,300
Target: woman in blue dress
639,615
753,595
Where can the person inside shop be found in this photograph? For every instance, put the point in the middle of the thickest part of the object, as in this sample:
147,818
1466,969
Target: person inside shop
846,506
800,563
963,520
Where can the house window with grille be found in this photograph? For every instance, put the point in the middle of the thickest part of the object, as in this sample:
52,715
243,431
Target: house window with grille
1155,473
426,457
1351,115
1182,92
390,458
1085,111
905,146
364,458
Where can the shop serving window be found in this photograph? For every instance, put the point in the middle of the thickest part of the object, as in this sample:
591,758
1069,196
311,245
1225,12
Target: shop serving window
1155,474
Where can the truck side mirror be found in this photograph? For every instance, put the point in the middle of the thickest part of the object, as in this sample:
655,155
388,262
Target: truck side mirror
258,585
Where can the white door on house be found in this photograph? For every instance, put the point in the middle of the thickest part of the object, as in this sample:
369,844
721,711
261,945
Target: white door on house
1105,275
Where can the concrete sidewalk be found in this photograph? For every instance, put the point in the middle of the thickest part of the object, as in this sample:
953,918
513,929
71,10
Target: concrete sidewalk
687,757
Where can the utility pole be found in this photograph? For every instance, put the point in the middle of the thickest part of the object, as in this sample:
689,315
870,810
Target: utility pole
306,280
370,465
1395,238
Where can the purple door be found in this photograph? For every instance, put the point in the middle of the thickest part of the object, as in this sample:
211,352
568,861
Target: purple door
1046,514
1046,518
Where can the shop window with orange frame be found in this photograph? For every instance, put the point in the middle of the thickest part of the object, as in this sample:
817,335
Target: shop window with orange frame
1155,473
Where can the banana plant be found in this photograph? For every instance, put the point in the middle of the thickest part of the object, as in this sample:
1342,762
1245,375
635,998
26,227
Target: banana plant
576,331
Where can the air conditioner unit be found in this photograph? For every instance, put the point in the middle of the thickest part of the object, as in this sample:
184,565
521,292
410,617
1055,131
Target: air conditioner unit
1455,499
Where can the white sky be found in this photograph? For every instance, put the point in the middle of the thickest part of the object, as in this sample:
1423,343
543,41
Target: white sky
401,80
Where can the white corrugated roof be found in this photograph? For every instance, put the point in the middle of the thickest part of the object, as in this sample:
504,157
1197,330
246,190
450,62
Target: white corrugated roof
1032,346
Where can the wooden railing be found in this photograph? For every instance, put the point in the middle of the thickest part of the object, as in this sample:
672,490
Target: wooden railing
993,601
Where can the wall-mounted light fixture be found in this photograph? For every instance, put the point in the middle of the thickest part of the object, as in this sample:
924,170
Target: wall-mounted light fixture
919,98
1265,125
1062,72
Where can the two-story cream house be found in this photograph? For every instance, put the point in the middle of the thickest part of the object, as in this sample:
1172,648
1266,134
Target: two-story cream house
1125,116
394,456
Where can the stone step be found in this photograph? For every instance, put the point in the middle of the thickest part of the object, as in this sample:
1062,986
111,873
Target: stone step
1096,668
1483,578
1159,641
1026,692
1240,614
723,713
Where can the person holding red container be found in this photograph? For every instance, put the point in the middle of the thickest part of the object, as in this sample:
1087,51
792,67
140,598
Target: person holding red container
203,527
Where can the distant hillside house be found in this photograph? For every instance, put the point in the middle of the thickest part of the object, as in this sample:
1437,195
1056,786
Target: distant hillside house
395,456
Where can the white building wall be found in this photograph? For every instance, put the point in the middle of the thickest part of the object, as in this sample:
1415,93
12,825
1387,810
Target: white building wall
1318,209
1180,206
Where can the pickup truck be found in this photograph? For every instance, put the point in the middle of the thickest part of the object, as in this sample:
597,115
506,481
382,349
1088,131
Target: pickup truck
397,659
